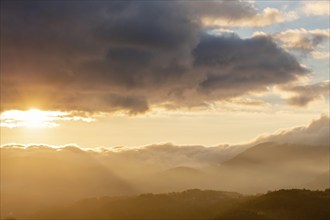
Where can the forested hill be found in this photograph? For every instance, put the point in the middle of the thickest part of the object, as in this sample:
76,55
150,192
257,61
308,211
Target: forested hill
291,204
283,205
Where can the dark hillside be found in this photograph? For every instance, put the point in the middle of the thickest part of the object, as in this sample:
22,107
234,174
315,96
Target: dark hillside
196,204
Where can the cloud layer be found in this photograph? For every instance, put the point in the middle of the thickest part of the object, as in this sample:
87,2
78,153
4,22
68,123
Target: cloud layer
130,56
164,156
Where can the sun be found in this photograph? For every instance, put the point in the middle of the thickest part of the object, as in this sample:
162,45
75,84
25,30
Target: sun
33,118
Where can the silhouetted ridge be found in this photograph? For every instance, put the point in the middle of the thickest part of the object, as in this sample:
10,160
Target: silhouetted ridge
291,204
190,204
197,204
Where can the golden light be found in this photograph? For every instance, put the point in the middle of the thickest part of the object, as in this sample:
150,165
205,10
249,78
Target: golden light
32,118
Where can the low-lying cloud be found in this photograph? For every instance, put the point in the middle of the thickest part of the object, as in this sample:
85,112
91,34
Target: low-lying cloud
164,156
317,133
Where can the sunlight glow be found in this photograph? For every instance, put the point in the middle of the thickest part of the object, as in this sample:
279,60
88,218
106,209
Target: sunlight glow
32,118
35,118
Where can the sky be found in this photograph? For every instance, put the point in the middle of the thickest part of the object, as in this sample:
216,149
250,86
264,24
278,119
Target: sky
136,73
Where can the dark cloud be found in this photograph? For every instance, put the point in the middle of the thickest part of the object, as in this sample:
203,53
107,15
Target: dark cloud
132,104
232,10
108,56
233,70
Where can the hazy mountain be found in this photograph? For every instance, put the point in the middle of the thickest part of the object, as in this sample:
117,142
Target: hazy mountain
269,166
36,177
321,182
173,179
271,153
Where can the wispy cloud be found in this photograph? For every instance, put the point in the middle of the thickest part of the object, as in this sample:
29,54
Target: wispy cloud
266,17
302,38
312,42
304,94
321,55
316,8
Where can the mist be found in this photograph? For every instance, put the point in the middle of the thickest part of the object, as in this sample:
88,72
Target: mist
39,176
